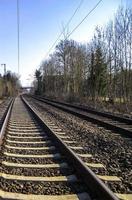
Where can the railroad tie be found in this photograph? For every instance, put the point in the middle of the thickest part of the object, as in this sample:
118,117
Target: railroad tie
70,178
64,137
9,164
31,148
85,155
25,131
36,133
124,196
95,165
76,148
56,156
109,178
18,196
69,141
28,137
59,133
34,142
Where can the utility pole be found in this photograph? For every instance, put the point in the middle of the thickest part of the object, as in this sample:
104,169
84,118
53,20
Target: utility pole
4,68
18,36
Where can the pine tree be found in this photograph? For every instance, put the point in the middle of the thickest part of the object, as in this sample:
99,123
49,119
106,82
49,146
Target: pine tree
39,80
100,73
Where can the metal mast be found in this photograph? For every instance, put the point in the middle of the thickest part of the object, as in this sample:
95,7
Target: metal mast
18,36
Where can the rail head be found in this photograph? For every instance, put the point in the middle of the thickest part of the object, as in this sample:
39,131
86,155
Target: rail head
6,119
91,180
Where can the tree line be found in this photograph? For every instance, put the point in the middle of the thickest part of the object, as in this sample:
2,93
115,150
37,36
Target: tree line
99,70
9,84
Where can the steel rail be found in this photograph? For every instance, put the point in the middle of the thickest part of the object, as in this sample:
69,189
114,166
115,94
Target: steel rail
86,174
70,109
5,120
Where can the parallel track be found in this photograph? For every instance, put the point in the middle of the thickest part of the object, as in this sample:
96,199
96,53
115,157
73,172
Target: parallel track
37,164
107,120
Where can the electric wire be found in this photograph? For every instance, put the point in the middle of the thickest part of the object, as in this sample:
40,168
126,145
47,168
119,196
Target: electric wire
76,27
84,18
76,10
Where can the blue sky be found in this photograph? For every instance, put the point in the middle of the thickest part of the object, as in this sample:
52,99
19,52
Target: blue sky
41,22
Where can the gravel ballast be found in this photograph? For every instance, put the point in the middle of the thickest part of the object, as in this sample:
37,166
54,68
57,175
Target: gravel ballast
109,148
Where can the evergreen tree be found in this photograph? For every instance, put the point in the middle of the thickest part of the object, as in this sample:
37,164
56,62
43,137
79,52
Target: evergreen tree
100,73
39,80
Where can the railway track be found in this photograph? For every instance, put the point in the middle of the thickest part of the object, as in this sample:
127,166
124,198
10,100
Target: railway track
37,164
107,120
110,167
4,109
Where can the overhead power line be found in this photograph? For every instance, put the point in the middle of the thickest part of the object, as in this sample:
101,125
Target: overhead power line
76,27
84,19
78,7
